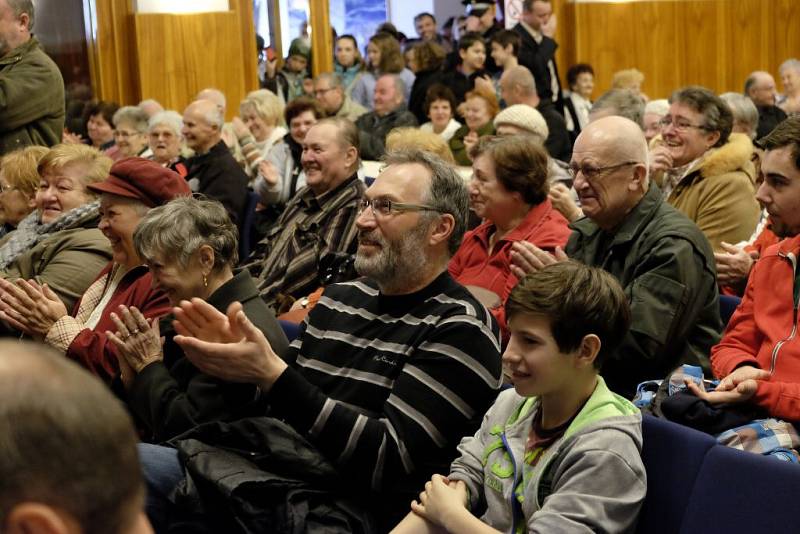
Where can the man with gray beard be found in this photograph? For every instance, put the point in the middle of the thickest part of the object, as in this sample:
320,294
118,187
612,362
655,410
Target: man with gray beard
389,371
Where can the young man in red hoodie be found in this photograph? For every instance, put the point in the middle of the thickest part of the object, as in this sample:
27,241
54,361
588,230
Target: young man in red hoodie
758,358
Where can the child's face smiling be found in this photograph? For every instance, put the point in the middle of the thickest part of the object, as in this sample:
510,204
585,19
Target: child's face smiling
533,360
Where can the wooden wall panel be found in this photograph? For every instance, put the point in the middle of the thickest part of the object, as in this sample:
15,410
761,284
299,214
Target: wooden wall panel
171,57
715,43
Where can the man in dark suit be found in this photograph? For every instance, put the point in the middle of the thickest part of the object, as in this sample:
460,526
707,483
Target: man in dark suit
536,27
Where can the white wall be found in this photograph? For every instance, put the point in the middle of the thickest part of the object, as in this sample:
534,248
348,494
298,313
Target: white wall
401,13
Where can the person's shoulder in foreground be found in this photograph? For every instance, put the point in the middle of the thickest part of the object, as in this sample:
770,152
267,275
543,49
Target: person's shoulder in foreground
562,444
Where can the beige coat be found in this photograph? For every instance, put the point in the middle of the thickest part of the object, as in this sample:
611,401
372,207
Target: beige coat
718,194
67,261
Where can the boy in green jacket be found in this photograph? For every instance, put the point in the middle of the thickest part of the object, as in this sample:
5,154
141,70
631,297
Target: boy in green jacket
560,452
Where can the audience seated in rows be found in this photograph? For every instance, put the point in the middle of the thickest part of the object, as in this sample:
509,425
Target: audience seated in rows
658,255
431,350
132,187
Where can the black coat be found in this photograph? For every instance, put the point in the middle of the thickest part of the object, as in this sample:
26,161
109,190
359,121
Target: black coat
172,396
536,56
217,175
558,142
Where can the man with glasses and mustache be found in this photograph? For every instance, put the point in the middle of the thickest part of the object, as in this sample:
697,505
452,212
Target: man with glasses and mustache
389,371
659,256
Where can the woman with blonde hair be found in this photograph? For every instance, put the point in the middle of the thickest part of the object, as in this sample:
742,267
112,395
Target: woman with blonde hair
409,137
19,182
259,127
383,57
59,244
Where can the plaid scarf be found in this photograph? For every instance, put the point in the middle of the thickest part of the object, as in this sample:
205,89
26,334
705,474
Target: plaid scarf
30,230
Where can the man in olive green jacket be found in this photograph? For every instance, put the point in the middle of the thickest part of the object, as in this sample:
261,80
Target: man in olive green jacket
31,86
661,258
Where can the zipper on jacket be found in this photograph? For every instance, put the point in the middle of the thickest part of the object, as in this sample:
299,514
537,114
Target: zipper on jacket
791,258
516,506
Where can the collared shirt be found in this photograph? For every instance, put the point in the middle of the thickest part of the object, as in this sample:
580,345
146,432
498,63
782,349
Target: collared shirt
286,261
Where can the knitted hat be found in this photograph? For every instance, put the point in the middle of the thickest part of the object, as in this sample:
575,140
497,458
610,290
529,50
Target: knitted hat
299,47
144,180
525,117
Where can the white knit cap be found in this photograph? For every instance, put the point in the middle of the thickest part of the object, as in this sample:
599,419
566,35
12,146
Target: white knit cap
525,117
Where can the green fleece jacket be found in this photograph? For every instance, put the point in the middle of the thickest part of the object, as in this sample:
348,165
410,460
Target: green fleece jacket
31,98
590,480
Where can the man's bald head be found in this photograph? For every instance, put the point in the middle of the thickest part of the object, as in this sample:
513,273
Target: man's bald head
66,445
619,136
518,86
760,88
609,161
215,95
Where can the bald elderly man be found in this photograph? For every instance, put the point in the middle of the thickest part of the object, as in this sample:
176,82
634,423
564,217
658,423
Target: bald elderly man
660,257
760,88
213,171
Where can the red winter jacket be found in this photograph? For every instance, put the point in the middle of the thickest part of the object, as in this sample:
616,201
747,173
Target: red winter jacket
472,266
763,332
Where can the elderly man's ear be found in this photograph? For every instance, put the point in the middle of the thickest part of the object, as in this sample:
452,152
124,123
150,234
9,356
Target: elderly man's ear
37,518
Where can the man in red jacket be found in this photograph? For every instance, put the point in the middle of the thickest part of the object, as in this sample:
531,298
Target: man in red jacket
758,358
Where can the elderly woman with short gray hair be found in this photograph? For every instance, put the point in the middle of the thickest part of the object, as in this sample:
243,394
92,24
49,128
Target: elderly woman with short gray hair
166,140
130,132
190,246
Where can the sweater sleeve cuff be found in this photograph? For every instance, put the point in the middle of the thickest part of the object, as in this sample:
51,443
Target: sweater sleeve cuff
63,333
295,400
733,362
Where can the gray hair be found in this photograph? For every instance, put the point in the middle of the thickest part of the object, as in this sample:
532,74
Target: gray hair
718,116
132,115
744,111
169,118
624,103
333,79
23,6
215,117
448,193
658,107
138,206
399,86
792,63
180,227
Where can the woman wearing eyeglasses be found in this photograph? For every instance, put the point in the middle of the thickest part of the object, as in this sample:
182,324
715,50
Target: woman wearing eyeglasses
19,182
703,169
509,192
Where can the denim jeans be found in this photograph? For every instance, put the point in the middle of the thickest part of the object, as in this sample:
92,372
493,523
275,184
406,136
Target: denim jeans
162,473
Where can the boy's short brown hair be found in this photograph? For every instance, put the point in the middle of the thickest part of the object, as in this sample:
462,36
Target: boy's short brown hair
578,300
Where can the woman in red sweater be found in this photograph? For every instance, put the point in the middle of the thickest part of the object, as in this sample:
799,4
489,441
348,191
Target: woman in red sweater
509,192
